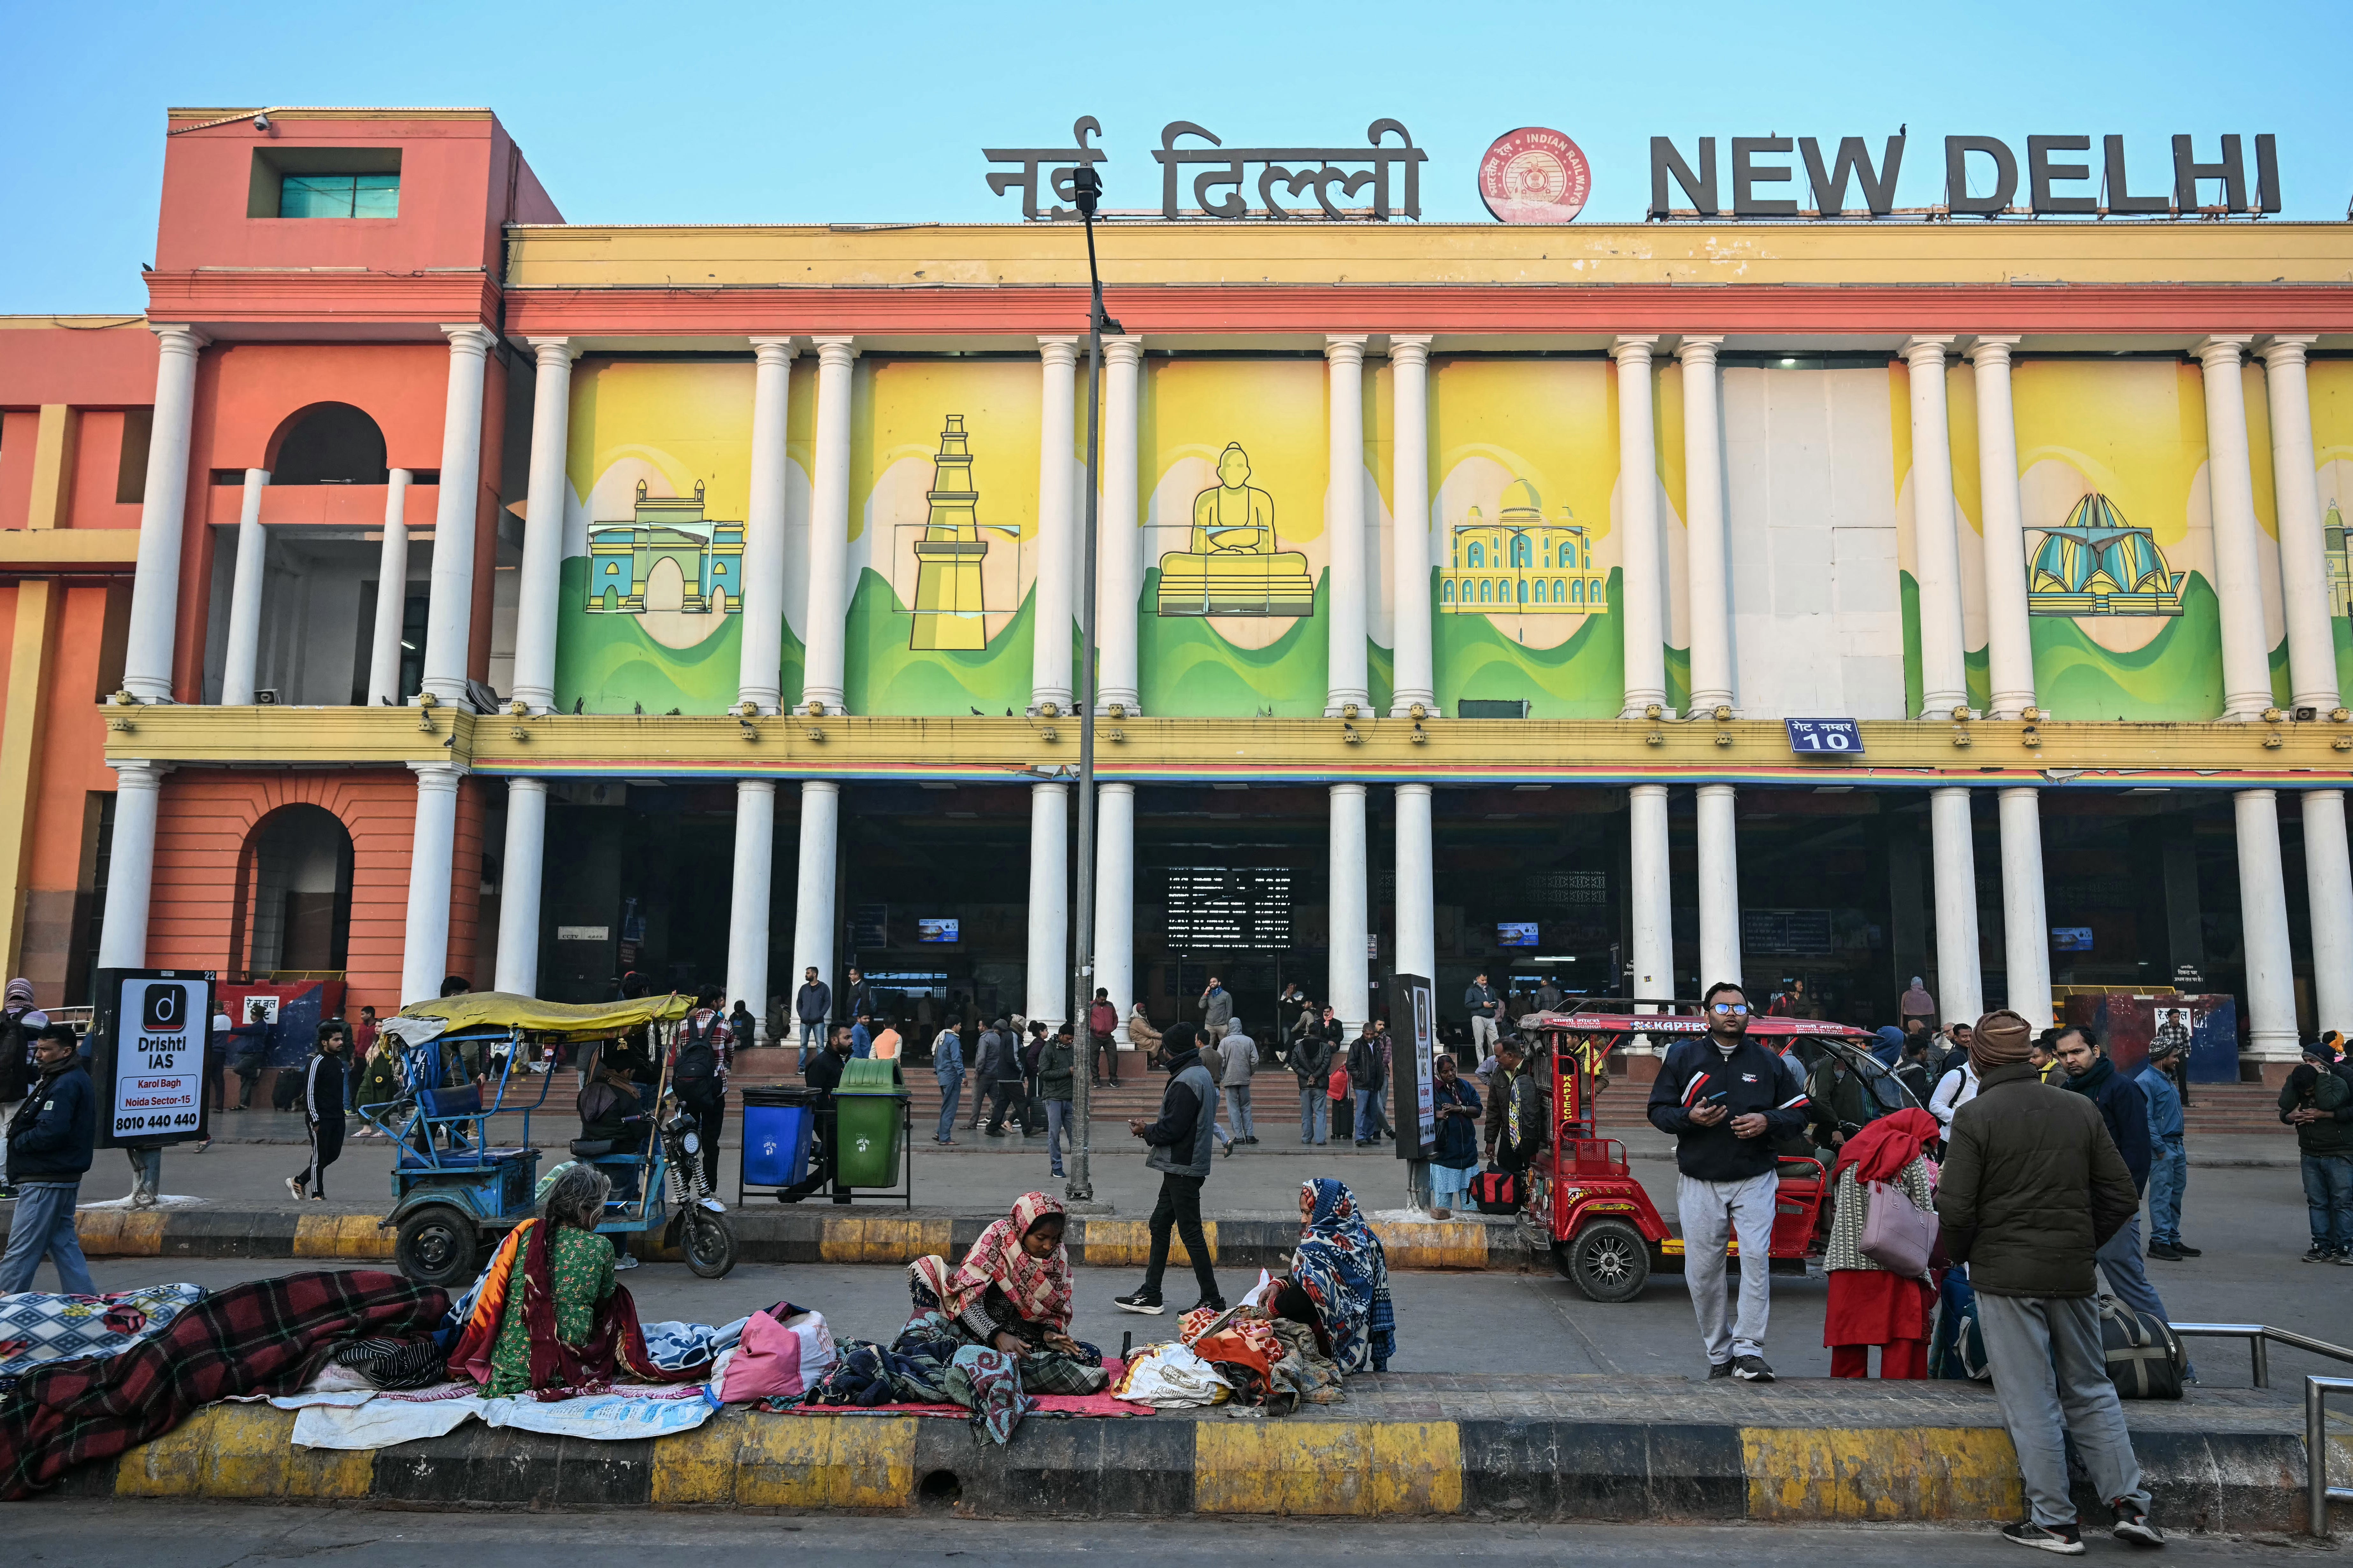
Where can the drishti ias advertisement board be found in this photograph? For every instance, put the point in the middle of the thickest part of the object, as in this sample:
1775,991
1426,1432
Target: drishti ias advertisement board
147,1055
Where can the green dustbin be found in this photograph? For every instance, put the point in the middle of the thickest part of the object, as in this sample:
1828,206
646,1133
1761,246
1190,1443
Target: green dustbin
871,1106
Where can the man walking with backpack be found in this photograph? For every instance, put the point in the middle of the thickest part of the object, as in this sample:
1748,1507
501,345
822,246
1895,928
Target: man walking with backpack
2032,1185
699,1077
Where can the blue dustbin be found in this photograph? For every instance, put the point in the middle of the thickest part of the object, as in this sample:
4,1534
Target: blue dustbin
777,1127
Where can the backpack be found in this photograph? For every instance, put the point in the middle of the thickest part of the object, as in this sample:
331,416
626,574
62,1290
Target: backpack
698,1048
15,1066
1496,1191
2145,1357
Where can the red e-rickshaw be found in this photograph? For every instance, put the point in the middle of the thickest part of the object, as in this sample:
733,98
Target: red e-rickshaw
1606,1234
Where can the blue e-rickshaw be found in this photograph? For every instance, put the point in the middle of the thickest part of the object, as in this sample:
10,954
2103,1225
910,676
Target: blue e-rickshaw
455,1191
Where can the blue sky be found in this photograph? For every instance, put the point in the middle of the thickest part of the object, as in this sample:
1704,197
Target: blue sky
720,111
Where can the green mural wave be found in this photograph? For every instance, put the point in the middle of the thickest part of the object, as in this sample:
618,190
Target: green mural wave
2178,678
884,675
1584,677
1188,671
606,664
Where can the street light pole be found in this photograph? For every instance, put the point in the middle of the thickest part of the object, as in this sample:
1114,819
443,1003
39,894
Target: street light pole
1087,189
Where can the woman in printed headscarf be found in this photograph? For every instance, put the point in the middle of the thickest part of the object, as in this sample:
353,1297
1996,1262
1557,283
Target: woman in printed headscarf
1340,1265
1011,1294
1868,1305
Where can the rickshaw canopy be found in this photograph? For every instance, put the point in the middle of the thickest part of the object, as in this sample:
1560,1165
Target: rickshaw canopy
468,1010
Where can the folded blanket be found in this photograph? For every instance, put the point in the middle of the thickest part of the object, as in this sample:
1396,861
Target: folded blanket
270,1336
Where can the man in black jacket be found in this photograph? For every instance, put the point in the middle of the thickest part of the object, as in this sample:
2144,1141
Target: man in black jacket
1310,1064
50,1139
1728,1100
2125,1110
2032,1185
1368,1077
323,1111
1179,1140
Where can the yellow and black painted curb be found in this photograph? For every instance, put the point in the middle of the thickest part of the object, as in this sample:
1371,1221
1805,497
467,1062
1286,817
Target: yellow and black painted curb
776,1234
1309,1466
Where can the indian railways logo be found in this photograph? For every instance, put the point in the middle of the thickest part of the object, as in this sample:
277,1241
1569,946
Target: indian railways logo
1534,175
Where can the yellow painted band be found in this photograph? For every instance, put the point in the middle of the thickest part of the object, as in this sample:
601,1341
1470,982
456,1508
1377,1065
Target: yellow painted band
882,1238
242,1452
1127,1243
1824,1474
1450,1244
752,1460
1300,1467
341,1235
120,1233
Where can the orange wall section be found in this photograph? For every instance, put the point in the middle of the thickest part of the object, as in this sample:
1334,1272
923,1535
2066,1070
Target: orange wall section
108,366
18,431
73,746
98,456
204,822
255,388
462,176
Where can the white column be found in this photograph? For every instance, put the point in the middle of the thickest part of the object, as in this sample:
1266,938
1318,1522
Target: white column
391,594
156,586
1114,935
2303,551
1416,678
1651,896
1960,986
2025,924
1417,892
540,581
521,874
1640,609
1936,539
2328,873
1719,886
1119,542
813,930
1348,920
237,671
747,912
1707,568
1049,904
829,588
1349,679
2010,646
1058,535
2238,579
424,940
449,618
130,875
2262,928
760,680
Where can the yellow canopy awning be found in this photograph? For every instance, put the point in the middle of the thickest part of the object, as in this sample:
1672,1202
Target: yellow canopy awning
504,1010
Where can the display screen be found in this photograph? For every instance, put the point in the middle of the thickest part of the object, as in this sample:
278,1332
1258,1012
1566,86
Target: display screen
1516,933
946,929
2071,939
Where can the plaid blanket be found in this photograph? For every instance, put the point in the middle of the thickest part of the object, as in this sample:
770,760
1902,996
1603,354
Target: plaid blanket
268,1337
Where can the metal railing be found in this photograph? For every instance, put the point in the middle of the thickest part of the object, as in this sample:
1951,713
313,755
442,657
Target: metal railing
2319,1493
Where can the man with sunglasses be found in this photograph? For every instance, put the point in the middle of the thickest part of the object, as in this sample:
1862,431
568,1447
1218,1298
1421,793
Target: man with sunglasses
1727,1101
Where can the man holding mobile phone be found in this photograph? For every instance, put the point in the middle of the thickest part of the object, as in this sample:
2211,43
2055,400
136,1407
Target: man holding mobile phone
1728,1100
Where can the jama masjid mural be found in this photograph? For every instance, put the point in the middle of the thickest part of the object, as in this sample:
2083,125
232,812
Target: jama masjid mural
1233,567
2096,563
1519,564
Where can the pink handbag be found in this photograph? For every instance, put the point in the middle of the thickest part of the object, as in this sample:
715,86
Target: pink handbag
1896,1234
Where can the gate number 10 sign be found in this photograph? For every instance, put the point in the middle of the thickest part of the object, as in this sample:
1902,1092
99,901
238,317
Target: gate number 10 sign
1824,737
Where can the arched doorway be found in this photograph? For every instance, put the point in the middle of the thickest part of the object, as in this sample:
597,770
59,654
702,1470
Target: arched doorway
330,444
301,867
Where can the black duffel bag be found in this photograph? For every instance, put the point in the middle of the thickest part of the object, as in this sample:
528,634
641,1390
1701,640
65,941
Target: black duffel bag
2145,1357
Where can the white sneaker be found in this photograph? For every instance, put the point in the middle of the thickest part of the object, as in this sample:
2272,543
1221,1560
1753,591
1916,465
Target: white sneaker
715,1205
622,1261
294,1185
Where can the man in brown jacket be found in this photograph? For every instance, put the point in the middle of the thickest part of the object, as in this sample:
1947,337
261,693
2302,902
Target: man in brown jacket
2032,1185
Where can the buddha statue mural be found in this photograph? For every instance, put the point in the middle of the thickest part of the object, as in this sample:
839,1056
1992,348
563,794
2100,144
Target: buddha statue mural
1233,567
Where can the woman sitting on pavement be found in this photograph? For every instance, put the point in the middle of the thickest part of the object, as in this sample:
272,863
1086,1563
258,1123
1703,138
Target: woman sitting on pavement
548,1316
1868,1305
1344,1273
1011,1293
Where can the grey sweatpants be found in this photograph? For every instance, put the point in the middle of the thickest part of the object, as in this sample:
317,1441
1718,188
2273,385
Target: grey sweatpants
1712,1213
2053,1381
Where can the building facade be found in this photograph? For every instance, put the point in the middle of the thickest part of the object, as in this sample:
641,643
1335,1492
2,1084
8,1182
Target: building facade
373,611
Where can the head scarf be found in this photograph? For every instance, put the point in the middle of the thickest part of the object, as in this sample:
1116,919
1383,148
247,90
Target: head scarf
2001,1037
1885,1147
1038,1287
1890,1049
1341,1266
20,993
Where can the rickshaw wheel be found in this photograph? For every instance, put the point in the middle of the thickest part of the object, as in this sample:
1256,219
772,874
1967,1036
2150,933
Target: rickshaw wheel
438,1246
707,1242
1609,1261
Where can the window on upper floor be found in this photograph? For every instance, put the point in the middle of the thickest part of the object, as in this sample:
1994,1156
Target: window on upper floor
324,182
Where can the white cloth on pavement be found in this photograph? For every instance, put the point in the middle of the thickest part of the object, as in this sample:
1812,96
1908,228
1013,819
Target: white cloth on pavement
379,1423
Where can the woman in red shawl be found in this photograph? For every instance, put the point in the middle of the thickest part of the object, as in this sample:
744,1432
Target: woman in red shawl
1011,1293
1868,1305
